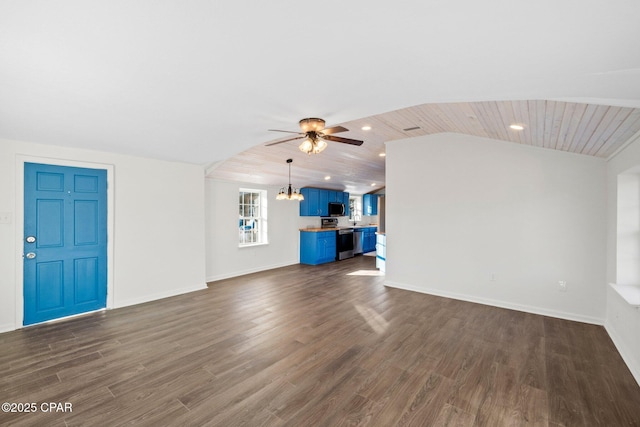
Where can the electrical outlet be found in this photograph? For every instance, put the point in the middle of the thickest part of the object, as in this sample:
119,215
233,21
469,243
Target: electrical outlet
5,217
492,277
563,285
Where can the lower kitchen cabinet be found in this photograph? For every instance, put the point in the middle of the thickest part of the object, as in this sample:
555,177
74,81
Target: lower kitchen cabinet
369,239
317,247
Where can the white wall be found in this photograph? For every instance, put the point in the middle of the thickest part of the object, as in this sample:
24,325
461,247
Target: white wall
156,216
622,320
462,209
224,257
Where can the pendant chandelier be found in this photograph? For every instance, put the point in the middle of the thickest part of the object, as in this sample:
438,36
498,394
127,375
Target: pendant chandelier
290,193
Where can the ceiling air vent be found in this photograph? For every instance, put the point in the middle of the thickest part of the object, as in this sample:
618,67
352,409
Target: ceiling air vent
413,128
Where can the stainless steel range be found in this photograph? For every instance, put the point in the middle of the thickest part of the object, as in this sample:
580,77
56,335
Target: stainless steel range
344,238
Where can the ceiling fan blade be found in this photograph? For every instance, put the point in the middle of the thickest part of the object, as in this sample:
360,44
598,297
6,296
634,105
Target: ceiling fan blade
343,140
334,129
287,131
284,140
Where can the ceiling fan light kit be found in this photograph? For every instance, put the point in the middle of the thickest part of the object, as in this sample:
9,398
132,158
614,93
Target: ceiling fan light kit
316,135
312,144
290,193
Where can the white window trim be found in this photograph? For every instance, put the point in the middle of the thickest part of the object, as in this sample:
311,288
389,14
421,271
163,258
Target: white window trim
356,213
262,219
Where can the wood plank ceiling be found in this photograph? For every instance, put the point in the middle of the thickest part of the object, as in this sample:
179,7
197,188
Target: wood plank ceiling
588,129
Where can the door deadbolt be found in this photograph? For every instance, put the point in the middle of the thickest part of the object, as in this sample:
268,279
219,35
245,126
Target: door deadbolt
31,255
31,239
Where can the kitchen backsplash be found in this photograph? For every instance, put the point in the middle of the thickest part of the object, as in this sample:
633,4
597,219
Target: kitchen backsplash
343,221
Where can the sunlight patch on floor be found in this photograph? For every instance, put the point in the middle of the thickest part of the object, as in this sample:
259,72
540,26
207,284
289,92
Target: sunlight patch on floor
366,273
377,322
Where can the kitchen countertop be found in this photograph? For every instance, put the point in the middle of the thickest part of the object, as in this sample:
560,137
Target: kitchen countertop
318,229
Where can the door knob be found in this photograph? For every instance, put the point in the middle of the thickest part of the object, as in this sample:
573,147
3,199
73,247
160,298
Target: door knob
31,255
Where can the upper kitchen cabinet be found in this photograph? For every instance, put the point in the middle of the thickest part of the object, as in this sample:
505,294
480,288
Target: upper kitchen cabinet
340,197
323,205
345,201
370,204
310,206
316,201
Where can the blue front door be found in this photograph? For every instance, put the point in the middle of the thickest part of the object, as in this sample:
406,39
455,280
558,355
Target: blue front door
65,241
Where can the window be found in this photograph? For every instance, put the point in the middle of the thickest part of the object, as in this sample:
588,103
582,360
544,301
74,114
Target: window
628,228
252,207
355,208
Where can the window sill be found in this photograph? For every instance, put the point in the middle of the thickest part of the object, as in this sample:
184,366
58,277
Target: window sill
631,294
251,245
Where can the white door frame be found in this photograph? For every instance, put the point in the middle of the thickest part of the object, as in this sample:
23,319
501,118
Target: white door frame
19,221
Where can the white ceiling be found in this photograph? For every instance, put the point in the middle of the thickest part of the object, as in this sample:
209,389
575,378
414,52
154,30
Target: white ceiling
588,129
202,81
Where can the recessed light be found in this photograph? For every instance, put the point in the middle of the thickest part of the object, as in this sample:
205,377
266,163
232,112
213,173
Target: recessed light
367,127
382,154
516,127
327,178
373,184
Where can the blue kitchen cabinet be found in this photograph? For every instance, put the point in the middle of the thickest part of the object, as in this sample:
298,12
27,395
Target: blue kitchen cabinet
370,204
323,207
317,247
369,239
310,206
345,201
339,197
316,201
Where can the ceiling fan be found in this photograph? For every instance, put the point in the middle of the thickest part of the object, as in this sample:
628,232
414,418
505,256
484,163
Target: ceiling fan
316,135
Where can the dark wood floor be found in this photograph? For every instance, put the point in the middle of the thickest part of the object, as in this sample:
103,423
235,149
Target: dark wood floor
316,346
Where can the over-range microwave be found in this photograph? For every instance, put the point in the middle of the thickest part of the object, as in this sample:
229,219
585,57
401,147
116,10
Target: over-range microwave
336,209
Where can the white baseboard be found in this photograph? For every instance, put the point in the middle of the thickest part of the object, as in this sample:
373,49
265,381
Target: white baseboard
159,295
498,303
625,353
249,271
